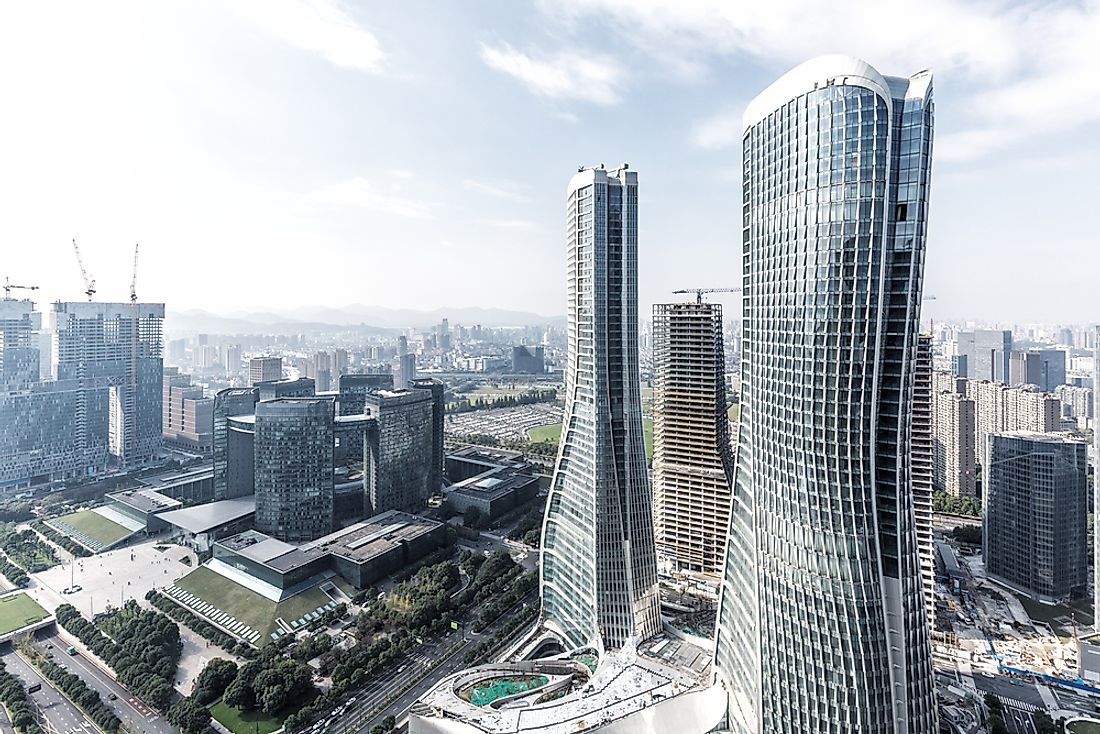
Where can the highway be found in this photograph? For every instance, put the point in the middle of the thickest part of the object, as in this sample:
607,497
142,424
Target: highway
128,708
58,714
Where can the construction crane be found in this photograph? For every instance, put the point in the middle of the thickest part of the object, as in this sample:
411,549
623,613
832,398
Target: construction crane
133,278
89,284
700,291
9,287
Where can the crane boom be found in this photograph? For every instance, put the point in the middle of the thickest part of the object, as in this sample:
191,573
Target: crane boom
133,278
89,284
9,287
700,291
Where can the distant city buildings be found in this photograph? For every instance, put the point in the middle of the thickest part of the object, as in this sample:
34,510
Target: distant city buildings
985,354
955,436
1035,511
999,408
406,370
692,454
524,362
264,369
805,642
1077,405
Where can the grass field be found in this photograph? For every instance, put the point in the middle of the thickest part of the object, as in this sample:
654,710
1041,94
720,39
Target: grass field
255,610
552,432
96,526
244,722
19,610
1083,727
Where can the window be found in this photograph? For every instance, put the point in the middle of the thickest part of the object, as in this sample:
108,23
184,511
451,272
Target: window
901,212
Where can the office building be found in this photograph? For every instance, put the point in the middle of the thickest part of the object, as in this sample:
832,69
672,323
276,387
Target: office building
1044,368
599,571
406,370
922,470
439,409
806,640
301,387
1035,511
353,390
1024,368
1096,464
118,345
692,453
987,354
955,465
188,418
524,362
294,443
264,369
494,481
398,455
235,441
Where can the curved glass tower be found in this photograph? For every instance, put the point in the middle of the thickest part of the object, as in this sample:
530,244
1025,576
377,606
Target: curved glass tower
599,568
821,624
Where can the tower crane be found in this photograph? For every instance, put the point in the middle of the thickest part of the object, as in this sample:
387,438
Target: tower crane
132,401
9,287
89,284
700,291
133,278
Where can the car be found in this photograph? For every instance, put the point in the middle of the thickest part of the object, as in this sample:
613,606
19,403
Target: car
49,646
112,697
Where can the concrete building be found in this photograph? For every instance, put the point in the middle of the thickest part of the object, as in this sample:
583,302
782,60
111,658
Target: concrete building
302,387
805,643
692,454
117,345
19,352
922,472
439,409
322,370
1096,464
188,420
955,457
1035,510
494,481
294,465
599,566
406,370
524,362
1077,405
1044,368
354,388
986,354
265,369
398,456
1000,408
236,441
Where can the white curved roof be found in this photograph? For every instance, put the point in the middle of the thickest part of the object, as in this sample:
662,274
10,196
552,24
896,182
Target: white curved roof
811,74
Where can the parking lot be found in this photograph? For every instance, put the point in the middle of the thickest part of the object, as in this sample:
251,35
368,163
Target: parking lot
506,424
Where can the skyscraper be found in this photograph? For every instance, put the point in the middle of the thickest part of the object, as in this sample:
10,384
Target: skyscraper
692,455
118,345
987,354
294,444
233,478
1035,511
923,470
1096,465
822,625
264,369
599,569
398,453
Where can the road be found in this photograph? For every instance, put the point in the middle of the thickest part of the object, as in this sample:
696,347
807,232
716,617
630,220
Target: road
59,715
385,686
128,708
1020,699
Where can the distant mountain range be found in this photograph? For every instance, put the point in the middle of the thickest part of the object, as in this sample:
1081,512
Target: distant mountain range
369,319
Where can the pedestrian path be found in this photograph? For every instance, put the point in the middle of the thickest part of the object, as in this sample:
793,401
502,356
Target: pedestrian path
1020,705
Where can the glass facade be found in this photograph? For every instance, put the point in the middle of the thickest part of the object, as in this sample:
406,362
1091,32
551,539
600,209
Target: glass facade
234,401
599,573
822,625
399,452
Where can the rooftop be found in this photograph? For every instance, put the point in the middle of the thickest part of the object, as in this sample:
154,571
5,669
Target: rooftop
145,500
204,518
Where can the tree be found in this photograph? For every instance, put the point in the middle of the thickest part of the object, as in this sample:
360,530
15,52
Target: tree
213,680
997,725
189,716
993,703
471,518
1043,723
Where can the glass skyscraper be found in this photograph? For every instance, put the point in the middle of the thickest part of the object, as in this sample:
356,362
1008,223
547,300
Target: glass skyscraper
599,570
822,626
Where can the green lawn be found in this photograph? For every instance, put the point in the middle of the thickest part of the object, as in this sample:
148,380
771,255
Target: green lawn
245,722
1083,727
96,526
552,432
19,610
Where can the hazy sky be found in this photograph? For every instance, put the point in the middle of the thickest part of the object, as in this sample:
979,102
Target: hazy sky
276,153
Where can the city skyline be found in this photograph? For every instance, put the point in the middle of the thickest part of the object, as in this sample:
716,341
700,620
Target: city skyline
336,133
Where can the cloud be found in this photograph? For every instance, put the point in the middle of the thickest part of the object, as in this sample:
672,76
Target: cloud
320,26
1016,69
358,193
568,117
508,223
565,75
500,192
721,131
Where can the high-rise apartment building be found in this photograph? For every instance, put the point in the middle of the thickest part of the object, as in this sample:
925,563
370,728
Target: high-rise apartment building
188,416
398,455
1077,404
264,369
599,568
232,359
822,624
322,370
922,470
294,444
1000,408
19,353
692,454
118,345
1035,510
955,467
406,370
987,354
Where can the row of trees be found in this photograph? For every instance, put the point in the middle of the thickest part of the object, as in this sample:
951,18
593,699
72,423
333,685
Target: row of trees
529,397
62,540
271,684
199,625
529,528
14,697
14,574
16,511
495,607
485,647
144,652
191,714
73,687
27,550
951,505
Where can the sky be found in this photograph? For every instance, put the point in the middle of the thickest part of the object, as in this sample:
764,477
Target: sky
276,154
